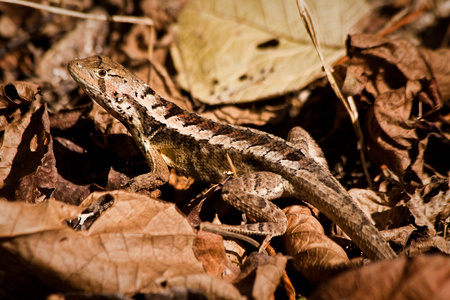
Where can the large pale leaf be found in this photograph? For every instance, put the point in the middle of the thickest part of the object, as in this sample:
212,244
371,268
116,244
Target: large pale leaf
134,246
239,51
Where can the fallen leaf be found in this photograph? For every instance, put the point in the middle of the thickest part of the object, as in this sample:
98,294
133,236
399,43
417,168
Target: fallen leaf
209,250
86,39
228,55
423,277
204,286
260,275
396,75
440,65
162,12
315,255
260,115
25,142
135,246
18,93
19,219
380,208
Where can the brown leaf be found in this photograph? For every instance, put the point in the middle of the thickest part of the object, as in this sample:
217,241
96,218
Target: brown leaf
209,250
28,166
260,275
256,114
84,40
18,93
395,74
162,12
440,65
134,246
423,277
67,118
377,206
209,286
19,219
25,143
399,236
314,254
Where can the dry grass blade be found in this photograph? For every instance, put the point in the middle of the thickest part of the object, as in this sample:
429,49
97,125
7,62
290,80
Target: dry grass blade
348,103
71,13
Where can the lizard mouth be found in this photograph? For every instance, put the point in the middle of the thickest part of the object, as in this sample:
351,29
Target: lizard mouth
75,71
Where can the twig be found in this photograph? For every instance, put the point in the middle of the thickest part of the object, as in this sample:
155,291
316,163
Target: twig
348,103
75,14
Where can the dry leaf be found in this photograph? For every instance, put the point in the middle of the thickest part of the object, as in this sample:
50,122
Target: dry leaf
396,75
28,166
209,249
440,65
19,219
162,12
261,115
377,206
67,118
18,93
134,246
88,38
25,142
260,275
209,286
228,55
314,254
423,277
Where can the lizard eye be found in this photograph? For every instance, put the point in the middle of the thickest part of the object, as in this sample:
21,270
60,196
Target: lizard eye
102,73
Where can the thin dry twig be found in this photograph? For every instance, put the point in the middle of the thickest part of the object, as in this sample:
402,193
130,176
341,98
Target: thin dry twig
349,102
230,162
287,283
76,14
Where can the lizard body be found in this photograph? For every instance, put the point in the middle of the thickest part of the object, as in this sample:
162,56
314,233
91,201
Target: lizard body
198,147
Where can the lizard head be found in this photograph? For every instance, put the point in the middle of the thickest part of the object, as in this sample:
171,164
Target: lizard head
108,83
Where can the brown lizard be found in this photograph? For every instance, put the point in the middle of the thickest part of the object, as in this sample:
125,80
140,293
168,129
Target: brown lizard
269,167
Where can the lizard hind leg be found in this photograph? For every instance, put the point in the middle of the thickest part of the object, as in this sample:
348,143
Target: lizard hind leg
300,138
251,194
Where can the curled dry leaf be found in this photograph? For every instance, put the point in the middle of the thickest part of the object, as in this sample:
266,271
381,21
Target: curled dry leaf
67,118
86,39
209,286
436,196
18,93
209,249
314,254
28,166
260,275
415,205
19,219
377,206
135,246
423,277
259,115
26,141
398,124
440,64
162,12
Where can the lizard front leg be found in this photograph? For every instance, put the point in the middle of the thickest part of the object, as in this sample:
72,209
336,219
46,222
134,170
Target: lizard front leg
158,176
251,194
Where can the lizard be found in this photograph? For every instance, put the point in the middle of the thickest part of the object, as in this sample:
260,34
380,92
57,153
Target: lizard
269,167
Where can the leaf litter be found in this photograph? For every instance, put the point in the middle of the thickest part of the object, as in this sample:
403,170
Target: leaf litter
68,228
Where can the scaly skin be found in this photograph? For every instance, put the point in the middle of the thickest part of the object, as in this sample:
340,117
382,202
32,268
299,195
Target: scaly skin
198,147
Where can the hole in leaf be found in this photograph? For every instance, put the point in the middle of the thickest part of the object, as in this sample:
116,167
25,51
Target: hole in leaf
273,43
243,77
